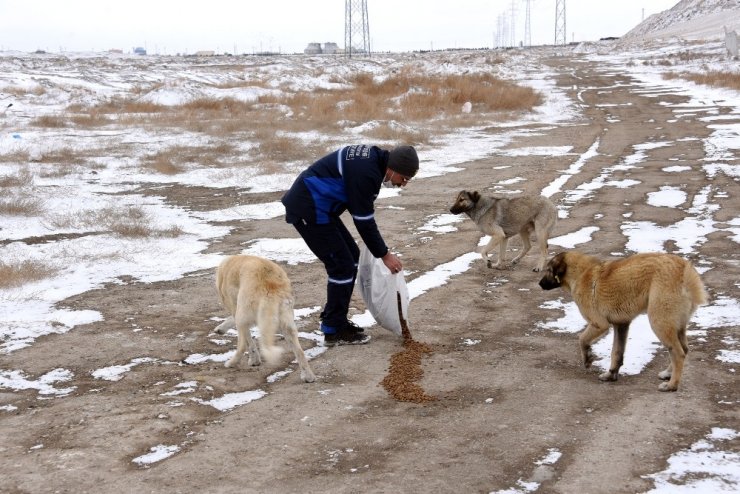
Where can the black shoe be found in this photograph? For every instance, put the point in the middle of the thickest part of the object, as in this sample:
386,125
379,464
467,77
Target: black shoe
345,337
350,326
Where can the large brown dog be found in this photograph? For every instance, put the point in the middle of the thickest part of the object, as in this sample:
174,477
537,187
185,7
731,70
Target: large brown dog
665,286
257,291
504,217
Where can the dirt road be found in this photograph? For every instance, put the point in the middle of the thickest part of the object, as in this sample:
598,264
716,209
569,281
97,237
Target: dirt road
508,394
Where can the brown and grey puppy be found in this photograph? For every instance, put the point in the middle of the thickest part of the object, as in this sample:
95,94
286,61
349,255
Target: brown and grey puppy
505,217
664,286
257,291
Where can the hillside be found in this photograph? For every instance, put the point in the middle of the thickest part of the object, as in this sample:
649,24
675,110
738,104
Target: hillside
689,20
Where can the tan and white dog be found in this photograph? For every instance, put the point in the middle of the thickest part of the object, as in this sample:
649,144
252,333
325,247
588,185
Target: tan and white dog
257,291
613,293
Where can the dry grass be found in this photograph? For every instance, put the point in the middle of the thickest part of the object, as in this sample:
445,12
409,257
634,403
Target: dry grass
20,205
129,221
242,83
729,80
19,92
277,147
406,106
50,121
398,133
132,222
61,156
125,221
91,120
18,156
217,107
17,198
175,159
23,178
407,97
14,274
117,106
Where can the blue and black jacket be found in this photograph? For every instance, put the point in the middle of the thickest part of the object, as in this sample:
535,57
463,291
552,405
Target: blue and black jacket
348,179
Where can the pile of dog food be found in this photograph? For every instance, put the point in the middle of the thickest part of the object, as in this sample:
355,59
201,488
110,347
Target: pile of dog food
405,368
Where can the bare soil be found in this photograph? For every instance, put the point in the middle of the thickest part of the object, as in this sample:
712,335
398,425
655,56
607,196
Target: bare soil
499,405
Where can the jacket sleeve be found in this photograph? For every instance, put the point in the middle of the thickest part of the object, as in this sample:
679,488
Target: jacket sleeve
370,234
362,181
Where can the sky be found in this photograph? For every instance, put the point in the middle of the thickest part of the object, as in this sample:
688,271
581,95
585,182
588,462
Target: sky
287,26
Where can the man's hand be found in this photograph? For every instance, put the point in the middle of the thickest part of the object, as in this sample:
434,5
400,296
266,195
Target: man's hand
392,262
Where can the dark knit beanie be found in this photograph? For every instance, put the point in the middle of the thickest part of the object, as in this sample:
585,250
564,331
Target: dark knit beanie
403,160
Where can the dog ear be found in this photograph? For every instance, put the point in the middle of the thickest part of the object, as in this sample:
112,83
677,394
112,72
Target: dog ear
559,266
474,196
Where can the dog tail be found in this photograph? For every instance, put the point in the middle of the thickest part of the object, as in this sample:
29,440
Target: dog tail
694,286
222,285
270,318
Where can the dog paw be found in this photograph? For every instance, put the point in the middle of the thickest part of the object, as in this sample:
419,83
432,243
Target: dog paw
588,358
230,363
664,375
307,377
537,269
667,387
608,376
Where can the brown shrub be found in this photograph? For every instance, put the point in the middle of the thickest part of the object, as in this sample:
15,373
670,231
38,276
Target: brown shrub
397,133
23,178
20,206
129,221
19,156
123,105
172,160
406,97
164,165
14,274
18,91
715,78
93,119
49,121
63,156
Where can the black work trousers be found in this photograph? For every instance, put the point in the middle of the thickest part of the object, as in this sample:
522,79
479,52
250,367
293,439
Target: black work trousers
333,244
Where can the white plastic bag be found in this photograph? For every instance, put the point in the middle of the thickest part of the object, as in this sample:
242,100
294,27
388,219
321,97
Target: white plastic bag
379,288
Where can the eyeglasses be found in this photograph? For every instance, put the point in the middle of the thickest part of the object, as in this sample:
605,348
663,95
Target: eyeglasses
404,178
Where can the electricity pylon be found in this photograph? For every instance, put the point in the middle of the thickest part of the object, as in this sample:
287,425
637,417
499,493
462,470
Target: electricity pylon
356,28
527,26
560,33
513,23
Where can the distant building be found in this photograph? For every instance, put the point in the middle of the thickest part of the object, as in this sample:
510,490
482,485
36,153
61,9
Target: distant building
316,49
331,48
205,53
115,50
139,50
313,49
